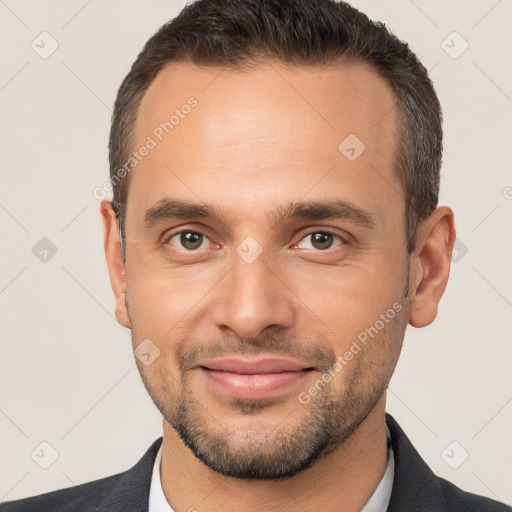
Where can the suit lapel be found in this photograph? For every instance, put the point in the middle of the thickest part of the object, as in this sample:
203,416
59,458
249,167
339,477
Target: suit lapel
415,486
132,489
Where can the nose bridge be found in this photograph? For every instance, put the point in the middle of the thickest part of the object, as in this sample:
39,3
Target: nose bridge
251,296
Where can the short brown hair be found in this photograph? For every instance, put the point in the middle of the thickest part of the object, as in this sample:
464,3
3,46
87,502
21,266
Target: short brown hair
234,33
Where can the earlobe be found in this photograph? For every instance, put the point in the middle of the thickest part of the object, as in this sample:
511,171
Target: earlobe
115,264
430,265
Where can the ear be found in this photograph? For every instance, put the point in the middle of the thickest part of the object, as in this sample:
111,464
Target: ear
430,265
112,244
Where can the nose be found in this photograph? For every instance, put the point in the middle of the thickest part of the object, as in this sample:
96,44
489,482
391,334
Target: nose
253,297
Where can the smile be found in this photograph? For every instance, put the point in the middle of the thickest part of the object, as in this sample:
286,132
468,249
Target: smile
244,379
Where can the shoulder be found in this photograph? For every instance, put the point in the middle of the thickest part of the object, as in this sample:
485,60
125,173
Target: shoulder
416,487
463,501
82,497
124,491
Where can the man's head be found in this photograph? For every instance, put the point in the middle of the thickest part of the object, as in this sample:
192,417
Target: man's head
239,34
280,228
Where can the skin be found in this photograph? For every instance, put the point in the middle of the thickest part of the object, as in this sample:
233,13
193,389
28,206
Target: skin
257,140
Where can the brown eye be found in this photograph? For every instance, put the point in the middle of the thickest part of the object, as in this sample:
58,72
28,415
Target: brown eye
322,240
189,240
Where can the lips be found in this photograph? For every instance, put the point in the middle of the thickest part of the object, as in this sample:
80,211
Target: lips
253,379
248,367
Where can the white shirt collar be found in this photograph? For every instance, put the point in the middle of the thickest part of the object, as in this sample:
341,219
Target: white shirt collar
157,500
382,494
377,503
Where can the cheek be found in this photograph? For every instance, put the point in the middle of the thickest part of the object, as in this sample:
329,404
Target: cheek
161,300
346,301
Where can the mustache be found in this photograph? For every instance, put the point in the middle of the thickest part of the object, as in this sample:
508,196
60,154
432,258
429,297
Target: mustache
316,352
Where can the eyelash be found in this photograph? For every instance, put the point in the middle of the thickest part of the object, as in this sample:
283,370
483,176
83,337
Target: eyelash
326,232
197,232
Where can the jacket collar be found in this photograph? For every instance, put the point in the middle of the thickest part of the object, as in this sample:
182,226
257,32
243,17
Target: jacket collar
415,487
132,488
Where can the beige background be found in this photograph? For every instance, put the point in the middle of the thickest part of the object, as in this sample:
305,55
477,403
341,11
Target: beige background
67,374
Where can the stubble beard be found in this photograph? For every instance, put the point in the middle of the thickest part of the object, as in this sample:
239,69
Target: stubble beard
268,452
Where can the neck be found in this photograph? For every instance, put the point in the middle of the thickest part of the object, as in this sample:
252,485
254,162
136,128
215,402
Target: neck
344,480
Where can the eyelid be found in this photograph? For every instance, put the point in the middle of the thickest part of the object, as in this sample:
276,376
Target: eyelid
181,229
344,236
171,234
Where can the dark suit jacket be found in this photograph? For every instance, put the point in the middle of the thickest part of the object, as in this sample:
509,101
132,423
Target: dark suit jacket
415,488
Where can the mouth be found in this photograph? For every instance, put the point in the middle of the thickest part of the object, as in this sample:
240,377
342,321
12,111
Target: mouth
253,379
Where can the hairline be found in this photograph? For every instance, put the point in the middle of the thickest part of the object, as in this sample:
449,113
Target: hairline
400,155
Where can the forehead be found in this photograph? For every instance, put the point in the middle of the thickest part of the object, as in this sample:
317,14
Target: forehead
274,127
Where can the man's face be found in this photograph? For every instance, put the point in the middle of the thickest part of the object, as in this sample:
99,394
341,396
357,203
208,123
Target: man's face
251,307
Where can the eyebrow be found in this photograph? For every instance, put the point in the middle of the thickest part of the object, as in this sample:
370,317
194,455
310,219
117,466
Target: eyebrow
168,209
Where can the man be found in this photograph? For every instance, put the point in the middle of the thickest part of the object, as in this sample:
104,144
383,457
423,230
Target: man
274,229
